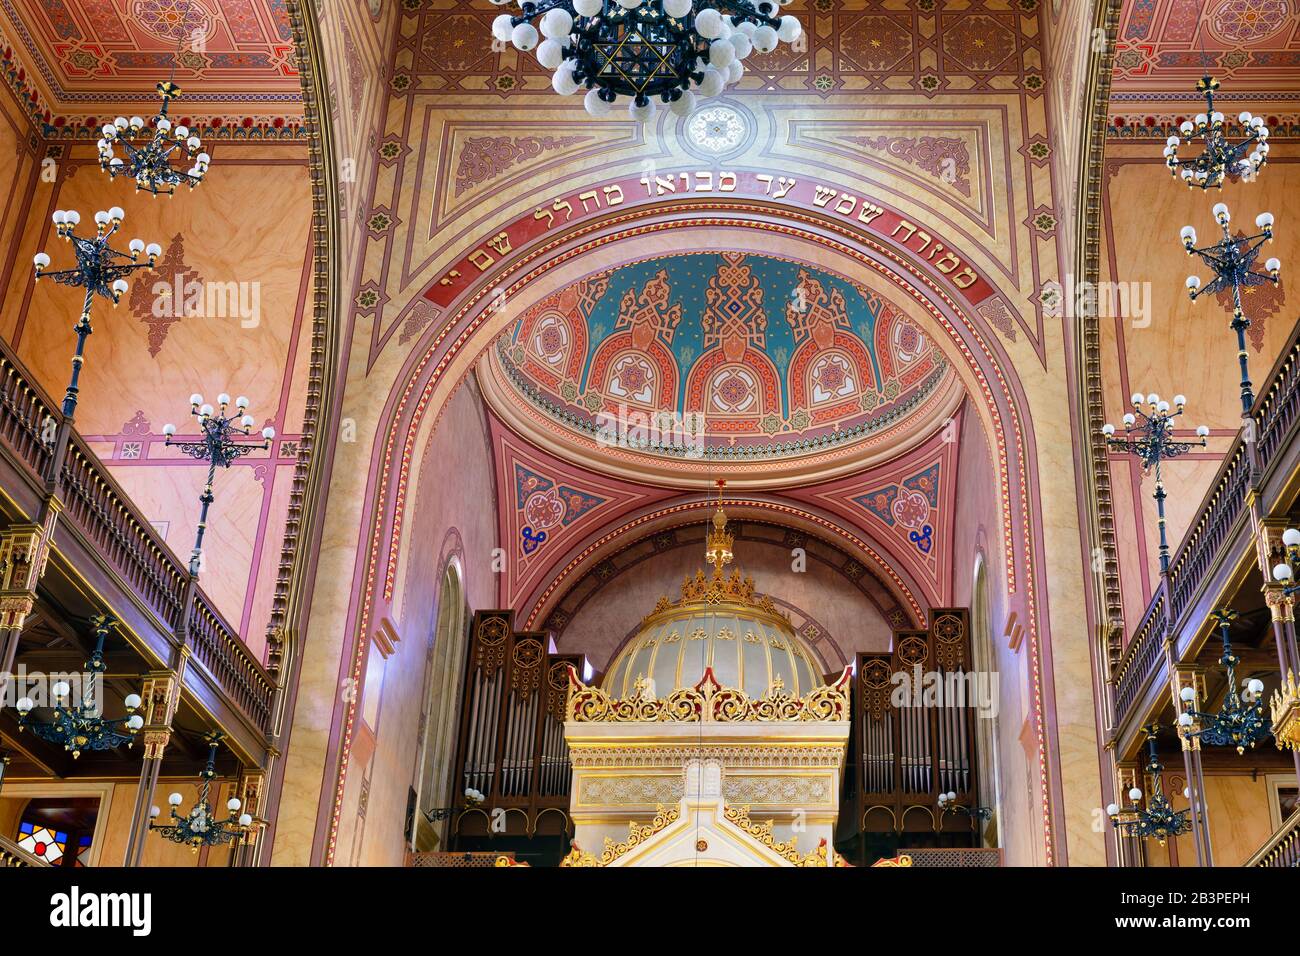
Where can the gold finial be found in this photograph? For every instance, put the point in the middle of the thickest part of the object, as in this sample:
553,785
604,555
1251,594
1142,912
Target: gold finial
719,540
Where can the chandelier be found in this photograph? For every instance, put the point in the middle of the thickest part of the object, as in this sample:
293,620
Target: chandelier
149,161
200,827
1218,159
1240,721
81,727
1158,819
645,51
1149,434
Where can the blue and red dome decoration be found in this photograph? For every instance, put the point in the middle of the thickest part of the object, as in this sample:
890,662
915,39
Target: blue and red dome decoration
774,358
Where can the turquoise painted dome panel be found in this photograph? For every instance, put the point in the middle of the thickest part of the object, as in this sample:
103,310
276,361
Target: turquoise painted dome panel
728,356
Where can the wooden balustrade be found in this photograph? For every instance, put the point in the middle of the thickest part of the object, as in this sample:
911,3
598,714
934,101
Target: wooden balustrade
97,507
12,855
1283,848
1141,656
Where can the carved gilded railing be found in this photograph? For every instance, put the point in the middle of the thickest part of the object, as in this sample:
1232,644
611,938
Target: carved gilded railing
97,508
1274,421
1283,848
709,701
13,855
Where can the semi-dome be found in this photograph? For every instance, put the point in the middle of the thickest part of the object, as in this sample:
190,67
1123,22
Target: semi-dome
718,623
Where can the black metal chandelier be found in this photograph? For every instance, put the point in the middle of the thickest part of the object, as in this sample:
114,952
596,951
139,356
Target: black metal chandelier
149,161
1233,261
948,804
1158,818
200,827
219,448
1151,423
1218,159
1284,572
101,270
645,51
473,798
1240,721
80,726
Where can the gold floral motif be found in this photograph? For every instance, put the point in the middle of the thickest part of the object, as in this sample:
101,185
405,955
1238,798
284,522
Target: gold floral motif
1286,713
717,588
709,700
638,833
762,832
903,860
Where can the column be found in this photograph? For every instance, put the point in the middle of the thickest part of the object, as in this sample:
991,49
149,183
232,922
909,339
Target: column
1193,677
24,551
1128,848
160,694
1282,607
250,789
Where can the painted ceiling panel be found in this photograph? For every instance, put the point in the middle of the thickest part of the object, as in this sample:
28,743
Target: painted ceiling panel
751,356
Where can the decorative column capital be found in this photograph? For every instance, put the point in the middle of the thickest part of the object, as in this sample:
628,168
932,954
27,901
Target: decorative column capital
1280,605
24,554
159,697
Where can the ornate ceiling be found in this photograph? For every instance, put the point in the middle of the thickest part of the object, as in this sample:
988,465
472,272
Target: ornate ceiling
754,358
1164,46
68,57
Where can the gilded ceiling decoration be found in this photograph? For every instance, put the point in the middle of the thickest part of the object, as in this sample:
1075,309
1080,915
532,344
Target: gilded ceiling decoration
234,57
722,357
1165,46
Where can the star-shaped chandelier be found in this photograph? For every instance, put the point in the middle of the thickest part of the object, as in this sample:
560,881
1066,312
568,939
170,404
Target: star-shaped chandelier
644,52
1218,159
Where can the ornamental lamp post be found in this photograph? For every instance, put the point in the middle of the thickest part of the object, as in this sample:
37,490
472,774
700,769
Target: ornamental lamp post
1149,434
219,447
1233,260
101,270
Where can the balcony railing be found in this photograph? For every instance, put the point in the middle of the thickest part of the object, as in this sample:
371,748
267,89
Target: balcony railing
1275,416
1282,848
13,855
102,513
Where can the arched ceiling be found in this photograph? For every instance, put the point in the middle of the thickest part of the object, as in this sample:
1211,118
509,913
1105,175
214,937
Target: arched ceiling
752,357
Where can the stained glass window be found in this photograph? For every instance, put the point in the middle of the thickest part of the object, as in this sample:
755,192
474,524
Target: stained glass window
42,842
83,850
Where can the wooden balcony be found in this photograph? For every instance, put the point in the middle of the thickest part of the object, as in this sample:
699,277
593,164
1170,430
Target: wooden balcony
1219,551
106,546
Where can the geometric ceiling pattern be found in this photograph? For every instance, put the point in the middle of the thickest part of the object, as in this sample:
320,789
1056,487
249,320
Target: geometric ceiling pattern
76,54
751,357
1165,46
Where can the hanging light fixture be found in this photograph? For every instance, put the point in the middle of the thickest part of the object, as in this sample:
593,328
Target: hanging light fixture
151,150
81,727
1240,721
200,827
645,52
1218,159
1158,819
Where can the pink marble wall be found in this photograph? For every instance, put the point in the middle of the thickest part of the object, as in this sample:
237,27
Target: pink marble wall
453,517
978,533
